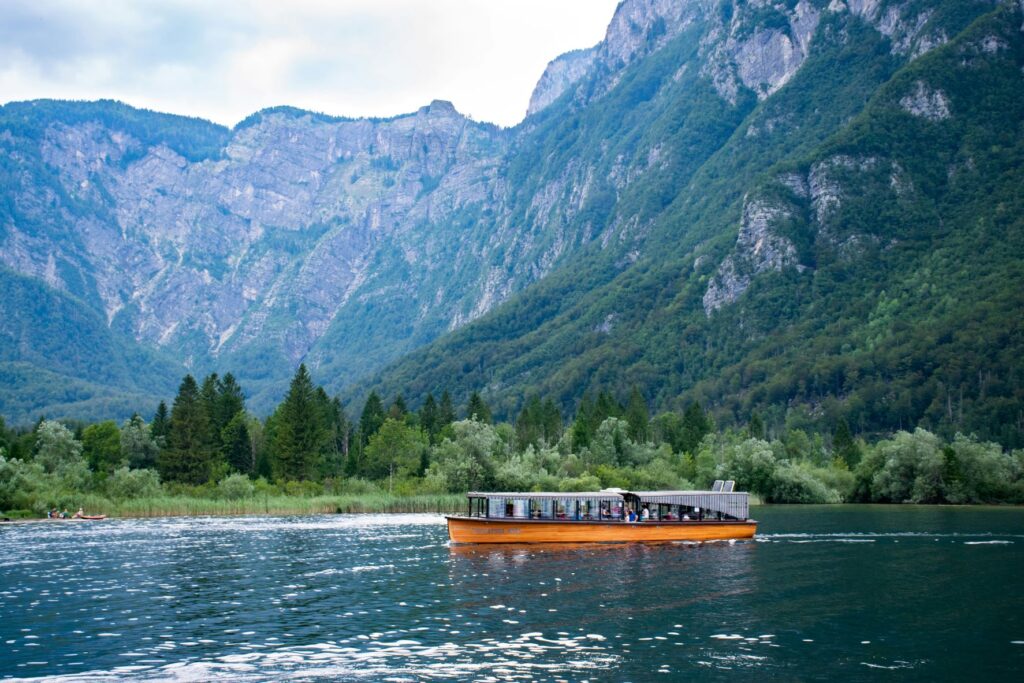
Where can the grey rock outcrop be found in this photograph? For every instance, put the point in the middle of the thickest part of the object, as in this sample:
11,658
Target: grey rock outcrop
560,73
926,102
759,249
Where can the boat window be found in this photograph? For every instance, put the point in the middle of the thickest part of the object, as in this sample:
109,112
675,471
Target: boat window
541,508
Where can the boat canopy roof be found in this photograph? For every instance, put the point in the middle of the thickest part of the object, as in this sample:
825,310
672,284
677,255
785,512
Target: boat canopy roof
602,495
734,504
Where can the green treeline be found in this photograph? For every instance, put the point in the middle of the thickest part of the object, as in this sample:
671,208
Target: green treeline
207,446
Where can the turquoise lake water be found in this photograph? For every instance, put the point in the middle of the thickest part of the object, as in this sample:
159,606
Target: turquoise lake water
823,593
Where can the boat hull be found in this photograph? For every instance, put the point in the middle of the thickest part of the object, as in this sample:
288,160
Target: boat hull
482,530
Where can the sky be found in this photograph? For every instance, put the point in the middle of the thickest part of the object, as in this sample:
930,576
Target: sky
223,60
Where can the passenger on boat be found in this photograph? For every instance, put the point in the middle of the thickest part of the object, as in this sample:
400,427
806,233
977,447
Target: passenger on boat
645,514
630,515
79,514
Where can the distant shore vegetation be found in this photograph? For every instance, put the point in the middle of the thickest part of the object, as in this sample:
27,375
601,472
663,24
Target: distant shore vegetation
208,455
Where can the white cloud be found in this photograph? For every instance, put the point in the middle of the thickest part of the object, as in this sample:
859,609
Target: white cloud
347,57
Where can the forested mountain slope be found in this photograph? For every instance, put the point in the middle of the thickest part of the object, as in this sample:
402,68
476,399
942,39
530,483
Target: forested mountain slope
851,249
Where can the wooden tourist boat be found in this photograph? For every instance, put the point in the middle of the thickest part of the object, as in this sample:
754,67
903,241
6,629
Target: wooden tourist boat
602,517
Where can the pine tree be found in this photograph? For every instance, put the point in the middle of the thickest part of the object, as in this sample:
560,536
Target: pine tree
186,457
372,417
551,421
445,412
230,400
583,427
209,392
605,407
530,423
843,444
160,424
637,417
398,409
237,445
300,432
428,418
477,409
755,428
695,427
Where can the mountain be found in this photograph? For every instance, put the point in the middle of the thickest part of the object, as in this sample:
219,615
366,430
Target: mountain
840,238
803,208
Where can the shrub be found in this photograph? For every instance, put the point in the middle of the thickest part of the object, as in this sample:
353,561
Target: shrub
235,487
127,483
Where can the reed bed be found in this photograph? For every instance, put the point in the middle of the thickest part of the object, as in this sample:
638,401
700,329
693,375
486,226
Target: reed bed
185,506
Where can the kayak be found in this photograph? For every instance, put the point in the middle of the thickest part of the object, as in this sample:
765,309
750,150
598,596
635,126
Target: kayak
90,517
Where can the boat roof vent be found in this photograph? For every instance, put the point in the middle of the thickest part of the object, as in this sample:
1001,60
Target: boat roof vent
718,485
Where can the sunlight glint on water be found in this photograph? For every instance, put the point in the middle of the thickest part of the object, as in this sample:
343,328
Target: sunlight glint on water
820,590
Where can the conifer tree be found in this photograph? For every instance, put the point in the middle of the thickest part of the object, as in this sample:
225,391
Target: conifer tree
429,418
755,428
583,427
530,423
300,432
843,444
637,417
605,407
551,421
477,409
237,445
160,424
445,411
372,417
695,427
186,457
398,409
230,400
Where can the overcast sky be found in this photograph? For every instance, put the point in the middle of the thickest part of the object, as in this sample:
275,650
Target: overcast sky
224,60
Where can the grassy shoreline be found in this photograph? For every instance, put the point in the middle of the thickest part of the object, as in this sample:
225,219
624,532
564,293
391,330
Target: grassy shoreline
188,506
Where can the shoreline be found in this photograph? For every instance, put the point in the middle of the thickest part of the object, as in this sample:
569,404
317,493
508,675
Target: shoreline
354,505
187,506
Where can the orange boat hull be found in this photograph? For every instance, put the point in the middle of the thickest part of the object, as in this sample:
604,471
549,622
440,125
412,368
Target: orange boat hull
482,530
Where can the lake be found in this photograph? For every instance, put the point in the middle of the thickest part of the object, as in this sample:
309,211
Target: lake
824,592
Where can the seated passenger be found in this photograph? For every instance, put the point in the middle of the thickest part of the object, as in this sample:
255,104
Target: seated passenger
645,514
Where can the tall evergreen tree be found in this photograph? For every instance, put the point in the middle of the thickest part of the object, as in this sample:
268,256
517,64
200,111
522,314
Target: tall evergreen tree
429,418
238,450
843,444
583,427
209,392
160,425
695,427
551,421
398,409
371,418
445,411
477,409
530,423
605,407
300,433
186,457
638,417
755,428
230,400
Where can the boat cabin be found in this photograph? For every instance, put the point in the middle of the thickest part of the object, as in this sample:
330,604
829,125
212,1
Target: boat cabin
613,505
